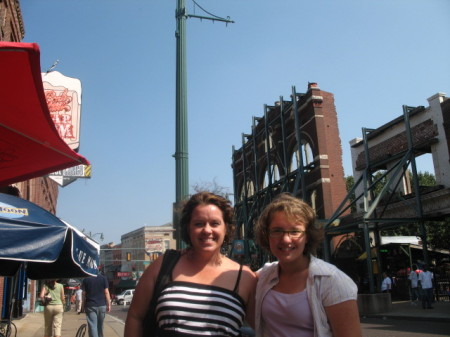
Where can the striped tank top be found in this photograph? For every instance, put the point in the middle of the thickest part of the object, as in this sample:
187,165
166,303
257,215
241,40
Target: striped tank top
191,309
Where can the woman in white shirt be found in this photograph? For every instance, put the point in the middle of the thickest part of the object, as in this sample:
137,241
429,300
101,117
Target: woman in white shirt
300,295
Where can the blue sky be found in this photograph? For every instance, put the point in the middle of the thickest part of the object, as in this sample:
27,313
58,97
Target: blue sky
374,56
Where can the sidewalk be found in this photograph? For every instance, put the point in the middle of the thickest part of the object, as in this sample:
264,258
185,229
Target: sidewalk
32,325
404,310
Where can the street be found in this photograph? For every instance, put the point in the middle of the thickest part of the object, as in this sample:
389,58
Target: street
378,327
119,311
371,327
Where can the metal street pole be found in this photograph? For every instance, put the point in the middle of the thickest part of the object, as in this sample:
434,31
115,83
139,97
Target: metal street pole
181,130
181,152
181,138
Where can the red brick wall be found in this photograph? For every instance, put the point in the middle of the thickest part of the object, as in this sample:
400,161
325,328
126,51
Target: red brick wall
11,24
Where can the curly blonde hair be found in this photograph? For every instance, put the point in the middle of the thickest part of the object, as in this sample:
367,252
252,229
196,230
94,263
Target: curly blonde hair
295,210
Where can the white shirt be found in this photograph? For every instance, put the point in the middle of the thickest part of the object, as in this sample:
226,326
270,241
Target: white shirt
386,284
326,286
78,294
413,278
426,279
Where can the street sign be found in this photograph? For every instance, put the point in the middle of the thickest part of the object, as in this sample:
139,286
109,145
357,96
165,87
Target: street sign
79,171
69,175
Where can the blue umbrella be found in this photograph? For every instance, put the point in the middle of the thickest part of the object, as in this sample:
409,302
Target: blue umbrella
48,246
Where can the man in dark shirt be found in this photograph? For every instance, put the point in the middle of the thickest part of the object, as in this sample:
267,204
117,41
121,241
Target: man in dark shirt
97,303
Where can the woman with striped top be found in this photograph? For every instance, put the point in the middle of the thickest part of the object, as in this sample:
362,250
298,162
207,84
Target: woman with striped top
300,295
209,293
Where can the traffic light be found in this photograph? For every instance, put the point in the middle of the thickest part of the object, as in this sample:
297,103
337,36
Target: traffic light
128,256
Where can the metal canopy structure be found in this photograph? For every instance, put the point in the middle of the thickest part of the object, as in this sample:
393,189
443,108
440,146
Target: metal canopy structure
388,208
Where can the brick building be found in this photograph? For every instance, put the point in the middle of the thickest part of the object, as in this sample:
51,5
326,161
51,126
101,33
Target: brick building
295,147
41,191
137,250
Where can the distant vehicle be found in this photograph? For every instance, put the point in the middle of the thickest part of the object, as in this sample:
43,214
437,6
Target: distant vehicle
125,297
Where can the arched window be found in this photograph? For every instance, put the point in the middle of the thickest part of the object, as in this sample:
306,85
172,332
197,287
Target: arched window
308,156
250,189
275,175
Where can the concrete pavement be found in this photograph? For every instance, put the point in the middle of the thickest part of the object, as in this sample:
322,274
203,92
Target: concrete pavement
404,310
32,325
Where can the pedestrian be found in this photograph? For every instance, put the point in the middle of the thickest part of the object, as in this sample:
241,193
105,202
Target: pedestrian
78,300
52,297
426,282
414,285
386,284
300,294
97,302
207,293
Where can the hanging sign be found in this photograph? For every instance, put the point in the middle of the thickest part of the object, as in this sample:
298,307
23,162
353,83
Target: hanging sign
63,96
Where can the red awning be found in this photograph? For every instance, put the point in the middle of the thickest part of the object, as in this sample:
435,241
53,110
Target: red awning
30,145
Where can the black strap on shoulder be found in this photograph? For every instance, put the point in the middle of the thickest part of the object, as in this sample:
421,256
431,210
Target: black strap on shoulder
169,261
236,287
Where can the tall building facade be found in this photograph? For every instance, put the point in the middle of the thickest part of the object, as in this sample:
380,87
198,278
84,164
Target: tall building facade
138,249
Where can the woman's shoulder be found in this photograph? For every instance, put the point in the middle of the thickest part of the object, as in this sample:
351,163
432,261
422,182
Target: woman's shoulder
267,268
234,265
321,267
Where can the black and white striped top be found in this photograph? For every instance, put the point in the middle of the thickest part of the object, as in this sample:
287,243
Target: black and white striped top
191,309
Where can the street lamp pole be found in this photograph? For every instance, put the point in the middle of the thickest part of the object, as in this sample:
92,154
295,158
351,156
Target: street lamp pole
181,138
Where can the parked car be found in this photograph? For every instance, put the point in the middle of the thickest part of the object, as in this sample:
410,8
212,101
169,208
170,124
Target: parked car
125,297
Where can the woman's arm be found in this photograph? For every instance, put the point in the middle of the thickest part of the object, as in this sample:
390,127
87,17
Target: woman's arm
141,300
42,293
344,319
108,300
250,307
63,298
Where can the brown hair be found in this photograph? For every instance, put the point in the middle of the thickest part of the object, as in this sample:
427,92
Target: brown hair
296,210
207,198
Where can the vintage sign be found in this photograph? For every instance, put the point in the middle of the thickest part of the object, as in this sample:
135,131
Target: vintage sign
63,96
123,273
154,245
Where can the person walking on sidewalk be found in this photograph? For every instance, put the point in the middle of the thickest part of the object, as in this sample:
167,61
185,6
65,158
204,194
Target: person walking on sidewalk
52,297
414,284
78,300
426,281
97,302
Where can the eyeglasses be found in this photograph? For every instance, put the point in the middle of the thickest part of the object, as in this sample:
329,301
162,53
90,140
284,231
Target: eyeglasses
278,233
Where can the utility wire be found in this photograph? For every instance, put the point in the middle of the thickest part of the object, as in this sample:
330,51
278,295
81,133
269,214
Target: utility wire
218,17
